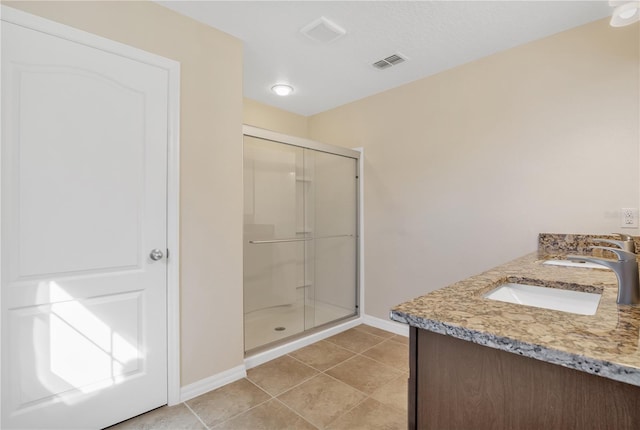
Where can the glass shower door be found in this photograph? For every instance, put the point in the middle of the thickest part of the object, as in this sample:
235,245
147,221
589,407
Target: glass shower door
331,266
300,239
274,242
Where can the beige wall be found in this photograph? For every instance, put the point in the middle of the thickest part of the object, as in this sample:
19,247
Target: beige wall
463,169
271,118
211,166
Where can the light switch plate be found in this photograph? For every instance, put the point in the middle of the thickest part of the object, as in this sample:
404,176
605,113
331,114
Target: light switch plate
629,218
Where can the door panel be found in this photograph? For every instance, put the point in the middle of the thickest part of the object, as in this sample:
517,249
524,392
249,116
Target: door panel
270,191
109,155
332,207
273,243
83,173
75,344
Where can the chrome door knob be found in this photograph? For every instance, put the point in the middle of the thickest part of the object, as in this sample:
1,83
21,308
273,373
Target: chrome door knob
156,254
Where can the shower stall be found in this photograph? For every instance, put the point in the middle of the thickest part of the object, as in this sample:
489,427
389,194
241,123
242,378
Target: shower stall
300,236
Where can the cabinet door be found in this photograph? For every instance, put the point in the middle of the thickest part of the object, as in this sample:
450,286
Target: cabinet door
462,385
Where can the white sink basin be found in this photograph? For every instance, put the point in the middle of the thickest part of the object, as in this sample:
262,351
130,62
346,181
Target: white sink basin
575,302
569,263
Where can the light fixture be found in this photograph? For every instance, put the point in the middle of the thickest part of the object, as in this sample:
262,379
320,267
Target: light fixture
282,89
625,12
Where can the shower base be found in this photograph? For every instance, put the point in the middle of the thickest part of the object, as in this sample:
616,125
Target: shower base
268,325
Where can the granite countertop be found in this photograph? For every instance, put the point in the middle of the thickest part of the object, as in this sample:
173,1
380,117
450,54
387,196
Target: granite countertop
605,344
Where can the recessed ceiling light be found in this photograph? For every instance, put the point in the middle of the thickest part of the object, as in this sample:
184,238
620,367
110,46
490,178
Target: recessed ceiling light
282,89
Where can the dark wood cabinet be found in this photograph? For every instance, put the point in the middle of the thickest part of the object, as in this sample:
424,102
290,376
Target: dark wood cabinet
459,385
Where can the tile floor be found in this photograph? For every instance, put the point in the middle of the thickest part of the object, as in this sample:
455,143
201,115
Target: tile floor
354,380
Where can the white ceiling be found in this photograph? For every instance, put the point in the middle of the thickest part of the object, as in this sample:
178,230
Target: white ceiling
434,35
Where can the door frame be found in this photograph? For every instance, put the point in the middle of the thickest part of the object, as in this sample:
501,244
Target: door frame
172,67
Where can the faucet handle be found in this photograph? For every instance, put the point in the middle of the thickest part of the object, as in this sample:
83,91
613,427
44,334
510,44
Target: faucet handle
620,253
627,245
624,236
618,243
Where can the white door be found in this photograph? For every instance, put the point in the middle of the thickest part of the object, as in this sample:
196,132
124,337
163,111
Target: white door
83,203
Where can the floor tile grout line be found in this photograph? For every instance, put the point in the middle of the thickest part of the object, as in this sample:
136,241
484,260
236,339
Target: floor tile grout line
259,387
369,334
378,361
355,354
242,413
365,356
383,340
403,342
350,386
366,397
357,389
197,416
319,372
366,349
364,324
298,384
295,412
339,363
348,411
251,408
396,376
386,365
377,343
306,364
359,331
373,346
320,341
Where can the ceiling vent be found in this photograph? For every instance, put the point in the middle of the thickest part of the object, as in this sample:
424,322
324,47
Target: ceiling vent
391,60
323,30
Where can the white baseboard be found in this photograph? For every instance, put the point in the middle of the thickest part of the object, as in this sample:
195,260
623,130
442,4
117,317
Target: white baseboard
212,382
263,357
388,325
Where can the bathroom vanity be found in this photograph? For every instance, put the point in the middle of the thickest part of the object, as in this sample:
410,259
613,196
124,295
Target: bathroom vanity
477,363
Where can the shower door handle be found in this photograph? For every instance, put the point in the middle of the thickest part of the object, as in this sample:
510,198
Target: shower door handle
296,239
335,236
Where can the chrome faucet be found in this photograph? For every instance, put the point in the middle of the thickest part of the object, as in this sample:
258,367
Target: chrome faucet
625,268
626,242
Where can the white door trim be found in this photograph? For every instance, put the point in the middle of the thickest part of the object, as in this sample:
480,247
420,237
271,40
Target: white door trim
173,167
